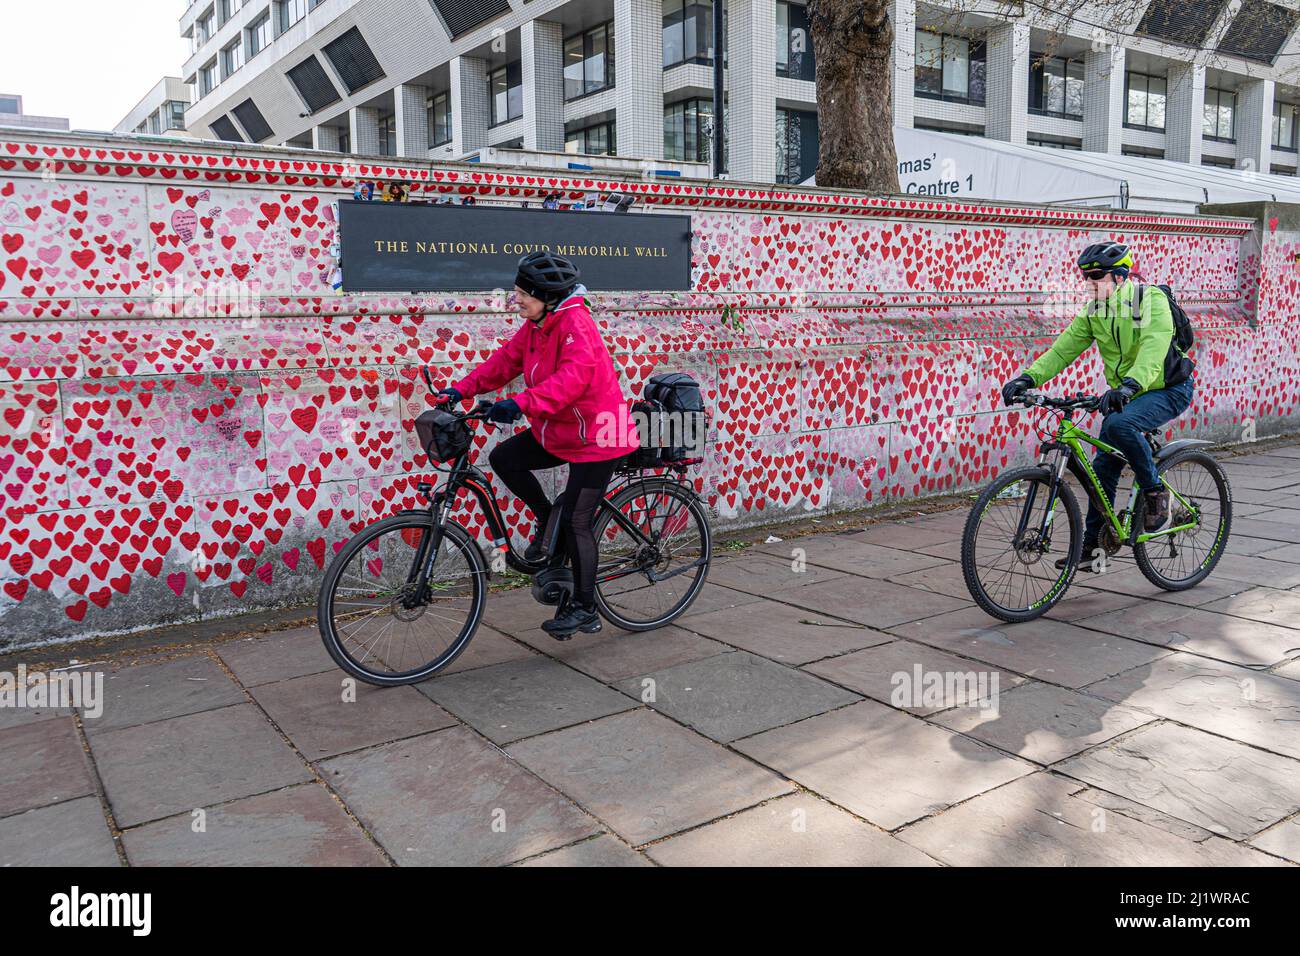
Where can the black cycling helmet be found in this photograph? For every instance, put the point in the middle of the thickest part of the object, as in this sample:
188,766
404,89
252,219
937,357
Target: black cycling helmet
1110,256
546,276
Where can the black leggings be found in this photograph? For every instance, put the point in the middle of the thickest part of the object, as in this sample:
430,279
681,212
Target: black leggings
515,460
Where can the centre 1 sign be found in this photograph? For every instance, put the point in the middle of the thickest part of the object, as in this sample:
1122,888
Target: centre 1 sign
412,247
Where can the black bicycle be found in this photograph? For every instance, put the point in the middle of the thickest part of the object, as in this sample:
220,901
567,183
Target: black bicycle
405,596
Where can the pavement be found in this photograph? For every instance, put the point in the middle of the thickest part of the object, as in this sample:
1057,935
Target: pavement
831,705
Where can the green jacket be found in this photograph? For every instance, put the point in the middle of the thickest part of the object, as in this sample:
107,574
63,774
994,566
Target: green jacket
1129,349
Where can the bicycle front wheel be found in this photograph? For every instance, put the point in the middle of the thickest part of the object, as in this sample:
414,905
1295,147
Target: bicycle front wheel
1199,497
372,621
1008,562
655,547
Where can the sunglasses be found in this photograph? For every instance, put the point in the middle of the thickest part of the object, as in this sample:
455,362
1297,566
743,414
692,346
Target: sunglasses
1096,274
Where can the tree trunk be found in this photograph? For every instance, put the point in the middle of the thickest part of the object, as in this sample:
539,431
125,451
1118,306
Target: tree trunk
852,40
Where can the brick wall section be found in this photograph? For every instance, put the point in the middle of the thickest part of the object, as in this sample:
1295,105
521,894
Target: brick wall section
1007,86
470,112
1103,99
639,65
411,103
1185,112
542,63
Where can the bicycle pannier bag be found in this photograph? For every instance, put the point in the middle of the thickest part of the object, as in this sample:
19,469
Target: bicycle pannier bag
678,434
442,435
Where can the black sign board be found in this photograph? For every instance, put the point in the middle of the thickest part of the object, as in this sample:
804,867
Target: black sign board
412,247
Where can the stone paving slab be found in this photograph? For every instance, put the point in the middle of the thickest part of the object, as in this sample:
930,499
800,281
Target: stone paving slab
734,695
944,578
644,776
856,757
1083,602
43,763
324,718
298,826
1282,840
763,575
1235,702
73,833
1265,604
1125,578
1048,650
846,553
278,656
783,633
904,536
1040,821
19,716
1044,723
797,830
1220,636
1288,552
172,766
451,799
888,673
604,850
618,655
1277,574
519,699
1222,785
878,604
489,647
143,694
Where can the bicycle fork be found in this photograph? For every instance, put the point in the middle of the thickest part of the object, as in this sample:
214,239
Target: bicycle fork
1044,528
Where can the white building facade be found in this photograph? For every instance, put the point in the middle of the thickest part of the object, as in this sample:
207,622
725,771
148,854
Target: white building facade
161,112
1212,82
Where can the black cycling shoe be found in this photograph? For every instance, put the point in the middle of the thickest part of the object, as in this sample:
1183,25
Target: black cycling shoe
1085,560
1155,510
536,549
571,618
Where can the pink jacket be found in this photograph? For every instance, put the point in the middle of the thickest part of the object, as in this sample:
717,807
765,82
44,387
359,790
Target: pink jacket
571,397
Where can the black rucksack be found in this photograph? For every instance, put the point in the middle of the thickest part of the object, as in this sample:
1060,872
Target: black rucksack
1177,365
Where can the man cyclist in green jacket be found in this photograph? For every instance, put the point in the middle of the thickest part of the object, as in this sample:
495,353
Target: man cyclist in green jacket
1150,379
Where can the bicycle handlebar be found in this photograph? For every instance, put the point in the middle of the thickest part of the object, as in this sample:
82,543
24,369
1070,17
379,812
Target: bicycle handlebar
1038,399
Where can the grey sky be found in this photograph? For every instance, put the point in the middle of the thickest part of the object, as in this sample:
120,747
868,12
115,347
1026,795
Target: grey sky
87,60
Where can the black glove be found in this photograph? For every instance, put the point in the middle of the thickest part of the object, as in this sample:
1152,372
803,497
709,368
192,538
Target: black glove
1115,400
504,412
1014,388
448,396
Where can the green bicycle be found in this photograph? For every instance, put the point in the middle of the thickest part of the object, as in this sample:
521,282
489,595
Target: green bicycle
1013,536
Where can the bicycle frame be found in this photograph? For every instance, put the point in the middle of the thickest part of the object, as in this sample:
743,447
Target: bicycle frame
464,475
1068,444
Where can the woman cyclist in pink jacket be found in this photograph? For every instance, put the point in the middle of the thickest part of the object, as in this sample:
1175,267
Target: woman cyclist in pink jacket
574,404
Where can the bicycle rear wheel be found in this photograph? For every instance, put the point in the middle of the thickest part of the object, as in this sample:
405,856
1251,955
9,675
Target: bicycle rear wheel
654,561
1184,559
1010,574
369,619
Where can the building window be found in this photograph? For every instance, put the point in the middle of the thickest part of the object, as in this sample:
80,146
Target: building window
949,68
232,58
387,134
203,31
9,104
1220,111
1282,170
227,9
1142,152
506,93
1051,142
289,12
260,35
794,50
1145,98
595,140
688,33
440,131
1218,162
796,145
208,78
174,114
345,140
589,61
1284,125
688,127
1055,86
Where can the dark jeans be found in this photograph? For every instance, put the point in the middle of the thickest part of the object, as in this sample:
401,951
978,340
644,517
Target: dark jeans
1123,431
515,460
